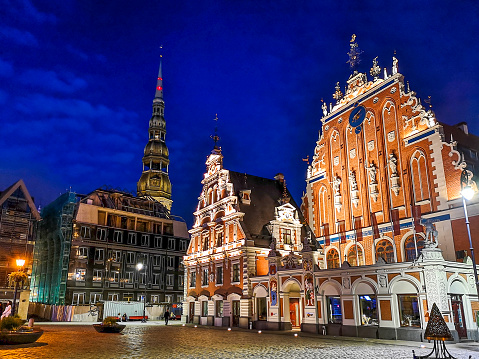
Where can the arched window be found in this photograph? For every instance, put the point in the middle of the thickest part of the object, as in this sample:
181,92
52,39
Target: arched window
332,259
419,176
352,258
410,250
384,249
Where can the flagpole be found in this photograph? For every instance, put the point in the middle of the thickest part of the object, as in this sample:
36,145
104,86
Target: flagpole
414,229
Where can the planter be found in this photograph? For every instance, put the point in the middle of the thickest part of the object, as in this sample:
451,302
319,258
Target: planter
117,328
20,337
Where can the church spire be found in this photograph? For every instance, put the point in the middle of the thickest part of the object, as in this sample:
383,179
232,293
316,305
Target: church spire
154,181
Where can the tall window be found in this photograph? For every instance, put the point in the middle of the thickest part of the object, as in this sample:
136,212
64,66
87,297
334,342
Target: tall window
262,309
219,239
352,258
80,275
170,280
131,238
206,242
236,272
332,259
204,279
410,248
118,236
384,249
219,275
419,176
334,310
219,308
204,308
78,298
193,279
145,240
101,234
409,311
171,243
286,234
85,232
82,253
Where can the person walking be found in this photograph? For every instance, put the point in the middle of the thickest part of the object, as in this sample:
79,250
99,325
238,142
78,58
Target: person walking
8,310
166,316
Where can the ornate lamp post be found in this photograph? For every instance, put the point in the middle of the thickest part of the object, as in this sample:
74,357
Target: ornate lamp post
140,266
17,278
467,193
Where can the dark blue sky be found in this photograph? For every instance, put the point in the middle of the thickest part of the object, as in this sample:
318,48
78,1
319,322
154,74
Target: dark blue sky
77,80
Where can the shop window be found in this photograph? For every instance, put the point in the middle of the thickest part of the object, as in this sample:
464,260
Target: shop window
113,296
335,315
219,308
95,298
332,259
409,311
353,258
204,308
410,250
155,298
384,249
262,309
369,313
78,299
236,273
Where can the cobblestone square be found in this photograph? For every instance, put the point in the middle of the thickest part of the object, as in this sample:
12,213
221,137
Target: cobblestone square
176,341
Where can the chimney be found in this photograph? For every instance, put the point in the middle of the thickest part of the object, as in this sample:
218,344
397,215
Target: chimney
463,127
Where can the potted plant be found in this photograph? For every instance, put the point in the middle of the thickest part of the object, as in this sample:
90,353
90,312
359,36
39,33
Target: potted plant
12,331
109,325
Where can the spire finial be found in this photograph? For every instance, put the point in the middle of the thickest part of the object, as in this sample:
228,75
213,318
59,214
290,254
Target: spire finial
159,81
354,53
215,137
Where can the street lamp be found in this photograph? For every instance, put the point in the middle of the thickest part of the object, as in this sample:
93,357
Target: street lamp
467,193
17,278
140,266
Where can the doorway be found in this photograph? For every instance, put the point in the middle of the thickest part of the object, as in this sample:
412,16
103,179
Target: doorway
236,313
458,313
294,312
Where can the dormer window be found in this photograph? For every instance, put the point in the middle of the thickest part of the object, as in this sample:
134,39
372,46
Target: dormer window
245,196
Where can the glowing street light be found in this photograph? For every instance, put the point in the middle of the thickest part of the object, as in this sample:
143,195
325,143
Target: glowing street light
467,192
17,277
139,267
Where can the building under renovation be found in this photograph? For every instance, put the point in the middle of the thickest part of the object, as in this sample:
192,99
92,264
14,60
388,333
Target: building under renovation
88,249
18,218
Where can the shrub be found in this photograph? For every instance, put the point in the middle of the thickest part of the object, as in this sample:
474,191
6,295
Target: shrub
11,323
109,321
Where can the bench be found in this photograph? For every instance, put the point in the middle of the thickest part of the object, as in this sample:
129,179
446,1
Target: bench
137,317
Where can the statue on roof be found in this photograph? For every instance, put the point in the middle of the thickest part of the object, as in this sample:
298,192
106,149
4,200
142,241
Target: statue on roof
354,53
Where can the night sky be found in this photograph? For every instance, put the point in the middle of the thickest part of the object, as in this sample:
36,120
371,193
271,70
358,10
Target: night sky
77,81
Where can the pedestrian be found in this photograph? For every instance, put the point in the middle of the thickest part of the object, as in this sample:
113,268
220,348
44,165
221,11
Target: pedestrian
166,316
125,318
8,310
118,318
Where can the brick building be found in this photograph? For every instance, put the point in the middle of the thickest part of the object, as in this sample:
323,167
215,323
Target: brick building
237,218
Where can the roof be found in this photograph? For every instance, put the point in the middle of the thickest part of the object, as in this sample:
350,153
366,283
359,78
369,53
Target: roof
458,134
10,190
265,196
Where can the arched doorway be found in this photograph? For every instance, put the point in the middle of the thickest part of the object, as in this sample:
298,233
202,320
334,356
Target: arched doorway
292,303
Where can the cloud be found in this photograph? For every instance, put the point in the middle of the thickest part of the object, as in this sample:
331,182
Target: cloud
19,37
6,68
25,9
51,80
77,52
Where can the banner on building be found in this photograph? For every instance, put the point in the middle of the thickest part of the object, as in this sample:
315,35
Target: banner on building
358,228
416,212
374,225
326,234
395,220
342,231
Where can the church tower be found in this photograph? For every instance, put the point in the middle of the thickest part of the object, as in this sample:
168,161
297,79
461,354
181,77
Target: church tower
154,181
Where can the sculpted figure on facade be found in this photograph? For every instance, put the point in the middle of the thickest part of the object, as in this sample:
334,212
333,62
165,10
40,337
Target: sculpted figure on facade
337,193
395,66
325,109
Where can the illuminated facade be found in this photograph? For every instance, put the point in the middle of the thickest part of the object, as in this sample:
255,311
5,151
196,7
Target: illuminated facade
238,219
18,219
387,236
154,181
88,249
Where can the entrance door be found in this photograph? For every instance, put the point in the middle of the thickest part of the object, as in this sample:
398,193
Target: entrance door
458,313
191,312
236,313
294,312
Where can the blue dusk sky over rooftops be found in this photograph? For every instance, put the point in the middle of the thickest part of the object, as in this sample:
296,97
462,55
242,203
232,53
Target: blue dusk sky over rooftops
77,81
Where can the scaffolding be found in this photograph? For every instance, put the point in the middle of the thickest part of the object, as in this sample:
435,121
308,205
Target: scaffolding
52,251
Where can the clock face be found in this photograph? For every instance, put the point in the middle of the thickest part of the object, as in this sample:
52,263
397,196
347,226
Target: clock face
357,116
